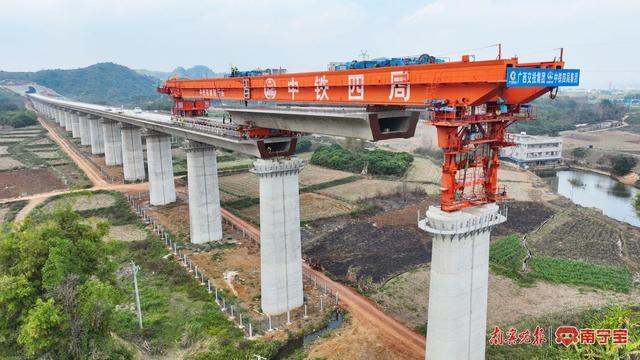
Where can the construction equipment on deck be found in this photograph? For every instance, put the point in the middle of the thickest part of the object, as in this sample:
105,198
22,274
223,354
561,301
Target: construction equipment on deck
471,104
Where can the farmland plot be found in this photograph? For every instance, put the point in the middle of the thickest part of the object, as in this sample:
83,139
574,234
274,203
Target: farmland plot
366,188
9,163
312,207
313,175
243,184
581,234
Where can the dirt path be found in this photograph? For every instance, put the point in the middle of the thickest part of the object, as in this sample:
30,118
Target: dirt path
397,336
27,209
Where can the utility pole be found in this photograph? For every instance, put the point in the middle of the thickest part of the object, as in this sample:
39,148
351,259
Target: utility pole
135,269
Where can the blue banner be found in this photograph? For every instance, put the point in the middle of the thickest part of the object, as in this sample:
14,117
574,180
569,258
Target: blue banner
532,77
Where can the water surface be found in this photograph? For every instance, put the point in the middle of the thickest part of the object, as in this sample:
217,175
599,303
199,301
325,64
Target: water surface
596,190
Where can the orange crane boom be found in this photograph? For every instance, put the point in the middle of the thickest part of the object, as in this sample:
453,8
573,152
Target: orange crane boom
461,83
471,103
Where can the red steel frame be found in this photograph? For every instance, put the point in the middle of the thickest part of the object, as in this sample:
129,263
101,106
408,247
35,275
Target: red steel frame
470,105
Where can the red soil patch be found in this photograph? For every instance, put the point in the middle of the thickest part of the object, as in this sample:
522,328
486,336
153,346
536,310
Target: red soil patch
27,182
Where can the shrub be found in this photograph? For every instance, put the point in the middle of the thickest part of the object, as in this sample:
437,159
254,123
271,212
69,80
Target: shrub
579,153
303,145
17,119
622,164
378,162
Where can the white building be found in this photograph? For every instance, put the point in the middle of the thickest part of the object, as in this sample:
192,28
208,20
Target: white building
532,150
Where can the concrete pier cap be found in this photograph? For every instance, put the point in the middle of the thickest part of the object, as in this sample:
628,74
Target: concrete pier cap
457,320
280,246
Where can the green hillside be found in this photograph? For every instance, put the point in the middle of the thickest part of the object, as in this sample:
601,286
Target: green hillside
12,111
103,83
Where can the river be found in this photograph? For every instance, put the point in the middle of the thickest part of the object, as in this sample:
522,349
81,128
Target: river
599,191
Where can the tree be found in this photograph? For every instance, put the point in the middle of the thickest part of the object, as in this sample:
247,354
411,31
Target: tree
303,145
636,202
16,295
42,327
56,297
622,164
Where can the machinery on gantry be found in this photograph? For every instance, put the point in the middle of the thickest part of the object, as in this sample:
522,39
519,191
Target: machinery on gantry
471,104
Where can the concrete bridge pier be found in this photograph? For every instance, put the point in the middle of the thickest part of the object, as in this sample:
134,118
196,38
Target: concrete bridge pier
161,185
132,155
280,247
75,126
56,116
112,142
68,121
205,220
85,132
96,135
53,114
457,320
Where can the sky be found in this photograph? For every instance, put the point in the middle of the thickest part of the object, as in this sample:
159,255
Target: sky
599,37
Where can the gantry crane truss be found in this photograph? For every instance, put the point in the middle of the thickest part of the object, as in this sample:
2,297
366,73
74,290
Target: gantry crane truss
471,103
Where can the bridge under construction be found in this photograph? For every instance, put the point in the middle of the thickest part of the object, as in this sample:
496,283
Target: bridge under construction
470,103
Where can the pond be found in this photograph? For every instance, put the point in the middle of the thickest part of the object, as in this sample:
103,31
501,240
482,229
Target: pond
599,191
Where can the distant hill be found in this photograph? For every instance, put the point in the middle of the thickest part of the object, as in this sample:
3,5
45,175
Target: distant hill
103,83
195,72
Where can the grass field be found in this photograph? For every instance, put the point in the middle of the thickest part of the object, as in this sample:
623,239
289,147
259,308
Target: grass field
84,201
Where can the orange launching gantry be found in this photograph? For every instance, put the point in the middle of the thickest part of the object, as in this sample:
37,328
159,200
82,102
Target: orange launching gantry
471,103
